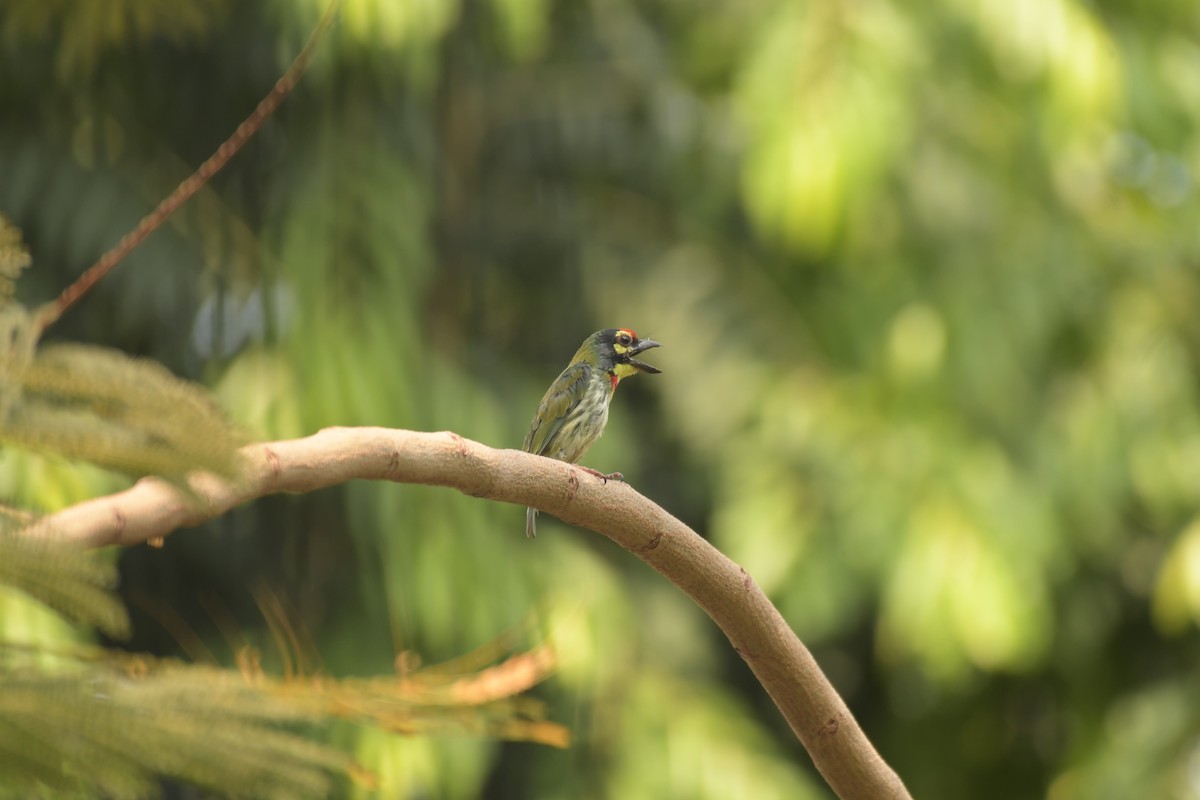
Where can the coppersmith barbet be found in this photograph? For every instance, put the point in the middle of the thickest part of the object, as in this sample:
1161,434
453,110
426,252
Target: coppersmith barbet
574,410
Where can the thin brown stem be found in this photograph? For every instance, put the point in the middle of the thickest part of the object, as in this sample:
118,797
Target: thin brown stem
52,311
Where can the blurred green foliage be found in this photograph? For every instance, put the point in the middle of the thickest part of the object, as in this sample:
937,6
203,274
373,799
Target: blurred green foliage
926,277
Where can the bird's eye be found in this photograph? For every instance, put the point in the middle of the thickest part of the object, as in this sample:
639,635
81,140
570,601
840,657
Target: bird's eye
624,338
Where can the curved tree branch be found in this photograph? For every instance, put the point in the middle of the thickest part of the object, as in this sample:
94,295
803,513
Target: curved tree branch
818,716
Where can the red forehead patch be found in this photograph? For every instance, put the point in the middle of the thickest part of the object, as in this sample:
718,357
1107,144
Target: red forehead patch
626,330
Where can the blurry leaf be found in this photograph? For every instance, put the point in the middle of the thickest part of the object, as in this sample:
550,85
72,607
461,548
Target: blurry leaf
261,389
75,582
14,257
18,336
680,739
384,26
954,601
1144,745
822,99
101,406
917,342
1177,590
1058,38
101,729
50,483
84,31
525,24
116,725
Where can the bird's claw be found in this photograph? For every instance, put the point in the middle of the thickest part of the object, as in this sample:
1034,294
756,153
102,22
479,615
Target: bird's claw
606,477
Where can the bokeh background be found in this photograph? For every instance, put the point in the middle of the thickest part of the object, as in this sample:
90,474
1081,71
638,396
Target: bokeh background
927,277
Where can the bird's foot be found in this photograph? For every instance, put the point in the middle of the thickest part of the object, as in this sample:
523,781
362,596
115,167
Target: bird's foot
606,477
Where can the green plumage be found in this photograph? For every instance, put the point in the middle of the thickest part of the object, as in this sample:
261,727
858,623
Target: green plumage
574,410
568,401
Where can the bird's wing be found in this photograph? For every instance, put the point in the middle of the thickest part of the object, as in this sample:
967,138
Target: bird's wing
558,402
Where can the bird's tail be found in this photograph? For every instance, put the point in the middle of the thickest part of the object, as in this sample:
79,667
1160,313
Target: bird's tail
531,522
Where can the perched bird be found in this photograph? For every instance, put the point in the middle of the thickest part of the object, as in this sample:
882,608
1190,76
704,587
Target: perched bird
574,410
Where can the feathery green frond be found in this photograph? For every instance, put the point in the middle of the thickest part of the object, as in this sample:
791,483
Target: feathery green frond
115,732
74,582
14,257
127,414
435,701
114,725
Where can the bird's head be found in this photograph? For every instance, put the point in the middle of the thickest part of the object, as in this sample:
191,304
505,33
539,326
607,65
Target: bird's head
615,351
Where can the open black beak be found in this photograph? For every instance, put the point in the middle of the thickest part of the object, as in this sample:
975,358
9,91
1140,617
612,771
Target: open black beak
644,344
